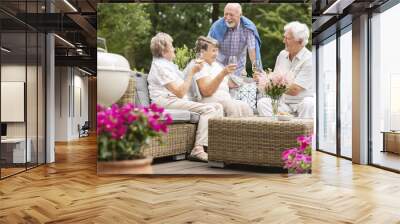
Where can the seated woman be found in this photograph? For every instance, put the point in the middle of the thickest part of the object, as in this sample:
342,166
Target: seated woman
213,80
168,89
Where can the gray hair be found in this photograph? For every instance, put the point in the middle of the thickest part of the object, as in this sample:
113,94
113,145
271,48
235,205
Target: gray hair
203,42
159,44
299,30
236,5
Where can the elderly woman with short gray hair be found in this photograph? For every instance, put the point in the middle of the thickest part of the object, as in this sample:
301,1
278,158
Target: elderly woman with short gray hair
213,80
169,89
295,59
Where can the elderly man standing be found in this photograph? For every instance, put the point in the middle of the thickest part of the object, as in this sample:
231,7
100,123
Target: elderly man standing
237,35
295,60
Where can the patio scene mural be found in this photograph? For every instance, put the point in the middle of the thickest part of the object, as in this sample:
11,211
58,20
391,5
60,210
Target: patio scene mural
190,88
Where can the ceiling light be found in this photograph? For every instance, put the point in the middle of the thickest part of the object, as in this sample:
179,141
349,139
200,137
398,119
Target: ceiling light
86,72
70,5
338,6
65,41
5,50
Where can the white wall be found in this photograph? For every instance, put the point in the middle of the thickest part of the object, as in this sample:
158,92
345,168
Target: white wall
69,85
62,82
16,73
33,126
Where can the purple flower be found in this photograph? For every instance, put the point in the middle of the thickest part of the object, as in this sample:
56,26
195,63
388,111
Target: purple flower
304,139
99,107
129,124
153,107
131,118
154,125
288,153
298,160
168,119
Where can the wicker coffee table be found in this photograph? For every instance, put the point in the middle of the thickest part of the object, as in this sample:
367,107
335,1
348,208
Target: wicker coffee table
253,140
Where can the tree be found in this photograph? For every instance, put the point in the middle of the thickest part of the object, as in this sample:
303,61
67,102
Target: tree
270,20
184,22
129,27
126,28
215,12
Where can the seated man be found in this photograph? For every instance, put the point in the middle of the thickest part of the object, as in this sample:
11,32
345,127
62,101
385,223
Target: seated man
295,60
213,80
169,90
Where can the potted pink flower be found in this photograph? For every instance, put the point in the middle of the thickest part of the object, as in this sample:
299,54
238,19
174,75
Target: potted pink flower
276,84
298,160
122,134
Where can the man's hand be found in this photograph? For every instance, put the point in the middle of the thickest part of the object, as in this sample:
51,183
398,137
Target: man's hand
294,90
257,76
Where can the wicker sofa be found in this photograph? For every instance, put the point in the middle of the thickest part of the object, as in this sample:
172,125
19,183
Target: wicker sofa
181,136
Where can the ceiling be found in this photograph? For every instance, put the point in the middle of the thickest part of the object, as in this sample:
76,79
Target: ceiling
330,15
72,20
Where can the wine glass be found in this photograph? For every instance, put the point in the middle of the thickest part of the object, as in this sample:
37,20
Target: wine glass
256,66
236,79
199,58
232,60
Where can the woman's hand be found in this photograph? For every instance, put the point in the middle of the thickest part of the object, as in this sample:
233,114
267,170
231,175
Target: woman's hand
229,69
198,65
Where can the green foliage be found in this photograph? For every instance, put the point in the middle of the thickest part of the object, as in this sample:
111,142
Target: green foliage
129,27
270,20
184,22
183,56
126,28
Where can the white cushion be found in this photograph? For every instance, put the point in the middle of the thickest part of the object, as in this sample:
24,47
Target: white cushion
183,116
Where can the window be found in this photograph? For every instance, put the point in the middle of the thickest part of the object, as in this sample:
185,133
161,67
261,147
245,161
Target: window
346,74
22,74
327,96
385,84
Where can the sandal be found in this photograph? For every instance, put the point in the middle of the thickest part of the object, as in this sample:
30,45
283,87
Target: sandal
199,156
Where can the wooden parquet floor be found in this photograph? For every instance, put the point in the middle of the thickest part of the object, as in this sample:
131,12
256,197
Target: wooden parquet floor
69,191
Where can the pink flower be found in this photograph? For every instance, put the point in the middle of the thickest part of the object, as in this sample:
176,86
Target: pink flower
298,160
288,152
304,139
99,107
168,119
131,118
276,85
154,108
115,121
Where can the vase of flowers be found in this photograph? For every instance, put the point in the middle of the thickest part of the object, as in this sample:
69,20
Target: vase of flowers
276,84
298,160
275,107
123,132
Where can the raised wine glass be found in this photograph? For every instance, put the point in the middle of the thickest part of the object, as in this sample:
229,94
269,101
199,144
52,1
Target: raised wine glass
232,60
256,66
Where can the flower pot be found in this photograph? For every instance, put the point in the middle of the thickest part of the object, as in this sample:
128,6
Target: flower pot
135,166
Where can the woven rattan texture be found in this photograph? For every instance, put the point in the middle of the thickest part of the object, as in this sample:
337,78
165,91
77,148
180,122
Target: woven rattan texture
254,140
179,140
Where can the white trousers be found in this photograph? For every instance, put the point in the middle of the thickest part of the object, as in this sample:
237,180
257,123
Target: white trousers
206,111
305,109
232,107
